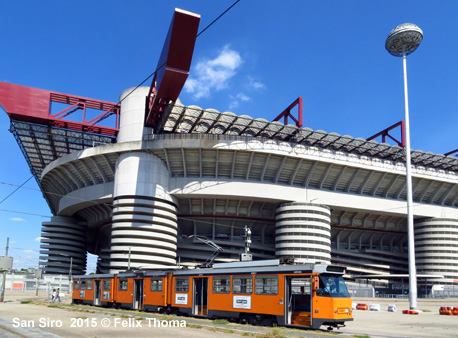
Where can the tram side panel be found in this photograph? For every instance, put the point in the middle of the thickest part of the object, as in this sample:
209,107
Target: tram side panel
250,298
83,292
181,295
108,291
94,290
124,292
155,293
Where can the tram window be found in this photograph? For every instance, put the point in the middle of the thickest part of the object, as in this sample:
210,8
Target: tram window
106,284
89,284
182,284
266,285
332,287
76,285
301,286
242,285
83,285
156,284
221,284
106,295
122,284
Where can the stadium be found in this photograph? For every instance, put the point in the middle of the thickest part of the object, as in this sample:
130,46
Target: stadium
140,194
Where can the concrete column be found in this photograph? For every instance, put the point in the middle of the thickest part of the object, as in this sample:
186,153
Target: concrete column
144,214
131,123
436,248
303,230
63,239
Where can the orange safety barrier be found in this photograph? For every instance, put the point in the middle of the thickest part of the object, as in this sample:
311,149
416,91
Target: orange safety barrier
448,310
410,312
362,307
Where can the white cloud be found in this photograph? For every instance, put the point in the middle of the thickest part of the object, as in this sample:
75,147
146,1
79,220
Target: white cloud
253,84
240,97
213,74
29,251
38,239
17,219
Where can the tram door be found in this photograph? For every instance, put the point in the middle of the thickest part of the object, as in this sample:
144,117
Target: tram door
97,292
298,304
200,296
138,294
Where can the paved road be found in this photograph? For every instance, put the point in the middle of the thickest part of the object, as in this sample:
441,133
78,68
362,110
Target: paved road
42,319
54,320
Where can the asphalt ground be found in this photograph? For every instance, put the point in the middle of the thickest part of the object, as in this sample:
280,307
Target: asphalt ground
44,319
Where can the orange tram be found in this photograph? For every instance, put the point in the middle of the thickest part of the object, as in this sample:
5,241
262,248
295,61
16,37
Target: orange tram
255,292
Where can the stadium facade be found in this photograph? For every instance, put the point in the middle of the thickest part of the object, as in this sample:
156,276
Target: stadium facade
304,194
139,198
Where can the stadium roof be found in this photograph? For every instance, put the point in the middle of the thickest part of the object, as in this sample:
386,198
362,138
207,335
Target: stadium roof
193,119
42,144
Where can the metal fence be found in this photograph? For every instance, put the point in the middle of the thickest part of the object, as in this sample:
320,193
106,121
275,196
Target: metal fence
28,283
360,289
444,291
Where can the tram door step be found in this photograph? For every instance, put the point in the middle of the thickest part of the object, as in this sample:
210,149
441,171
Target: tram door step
301,318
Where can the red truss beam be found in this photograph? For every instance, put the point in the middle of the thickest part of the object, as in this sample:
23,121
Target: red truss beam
386,133
287,113
452,152
33,105
173,66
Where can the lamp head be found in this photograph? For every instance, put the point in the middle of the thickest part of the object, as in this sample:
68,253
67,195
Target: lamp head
404,38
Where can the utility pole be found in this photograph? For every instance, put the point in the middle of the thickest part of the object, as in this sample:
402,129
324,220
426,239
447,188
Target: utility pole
128,261
37,274
70,276
4,273
247,239
247,256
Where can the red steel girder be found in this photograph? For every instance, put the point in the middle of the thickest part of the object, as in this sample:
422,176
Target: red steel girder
287,113
173,66
452,152
386,133
33,105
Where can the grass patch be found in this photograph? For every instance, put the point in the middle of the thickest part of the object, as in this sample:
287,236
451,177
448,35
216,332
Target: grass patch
220,321
364,336
227,330
272,333
425,310
169,317
216,329
54,305
194,326
27,302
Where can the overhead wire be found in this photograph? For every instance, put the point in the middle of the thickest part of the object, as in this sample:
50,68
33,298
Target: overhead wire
18,187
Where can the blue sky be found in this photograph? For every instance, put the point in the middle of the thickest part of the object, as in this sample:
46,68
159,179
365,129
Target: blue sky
255,60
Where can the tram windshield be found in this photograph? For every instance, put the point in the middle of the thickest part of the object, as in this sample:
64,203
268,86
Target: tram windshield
331,286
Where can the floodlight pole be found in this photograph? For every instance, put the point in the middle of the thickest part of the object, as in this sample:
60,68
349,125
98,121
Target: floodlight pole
410,223
403,40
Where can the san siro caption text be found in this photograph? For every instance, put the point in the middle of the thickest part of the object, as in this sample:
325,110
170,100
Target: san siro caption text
98,322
